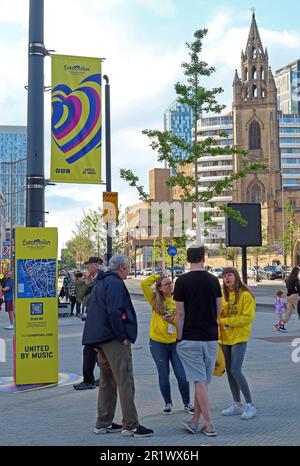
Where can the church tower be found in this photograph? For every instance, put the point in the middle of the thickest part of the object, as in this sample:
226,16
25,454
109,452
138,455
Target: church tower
255,126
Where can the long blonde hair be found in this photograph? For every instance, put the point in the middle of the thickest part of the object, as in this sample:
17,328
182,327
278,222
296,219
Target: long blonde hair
158,302
238,285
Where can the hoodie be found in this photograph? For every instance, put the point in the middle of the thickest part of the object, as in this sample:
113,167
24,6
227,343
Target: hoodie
111,314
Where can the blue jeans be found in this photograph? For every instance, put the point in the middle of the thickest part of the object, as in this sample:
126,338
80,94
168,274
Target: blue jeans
163,354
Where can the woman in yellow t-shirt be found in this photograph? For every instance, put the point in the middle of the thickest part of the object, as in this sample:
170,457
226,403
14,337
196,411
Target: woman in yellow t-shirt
238,313
163,339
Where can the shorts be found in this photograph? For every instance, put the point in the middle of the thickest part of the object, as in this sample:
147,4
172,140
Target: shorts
198,359
9,306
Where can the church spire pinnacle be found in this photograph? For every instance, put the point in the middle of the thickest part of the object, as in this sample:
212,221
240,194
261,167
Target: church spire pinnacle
254,67
254,47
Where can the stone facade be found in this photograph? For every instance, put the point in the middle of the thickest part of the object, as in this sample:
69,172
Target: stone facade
256,130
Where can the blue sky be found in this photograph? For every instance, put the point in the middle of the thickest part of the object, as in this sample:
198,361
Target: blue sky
144,45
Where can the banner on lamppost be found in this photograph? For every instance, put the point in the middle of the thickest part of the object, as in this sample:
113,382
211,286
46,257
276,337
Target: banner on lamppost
6,250
76,132
36,306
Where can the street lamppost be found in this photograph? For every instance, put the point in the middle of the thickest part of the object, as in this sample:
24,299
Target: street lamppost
283,226
135,247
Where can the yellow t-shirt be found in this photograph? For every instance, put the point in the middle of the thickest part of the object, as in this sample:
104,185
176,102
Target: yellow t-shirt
236,319
160,330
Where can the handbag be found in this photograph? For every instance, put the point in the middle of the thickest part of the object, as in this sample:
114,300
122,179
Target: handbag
220,361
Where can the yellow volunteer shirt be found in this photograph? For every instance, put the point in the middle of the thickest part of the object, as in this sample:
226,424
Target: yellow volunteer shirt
160,330
236,319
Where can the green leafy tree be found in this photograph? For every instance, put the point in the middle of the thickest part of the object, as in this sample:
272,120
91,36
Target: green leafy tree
290,233
89,238
78,244
230,254
200,100
260,253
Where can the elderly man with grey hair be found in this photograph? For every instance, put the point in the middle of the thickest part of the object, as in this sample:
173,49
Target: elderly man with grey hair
110,328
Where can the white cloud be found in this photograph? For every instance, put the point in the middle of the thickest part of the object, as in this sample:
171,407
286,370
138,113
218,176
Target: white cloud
14,11
224,43
142,71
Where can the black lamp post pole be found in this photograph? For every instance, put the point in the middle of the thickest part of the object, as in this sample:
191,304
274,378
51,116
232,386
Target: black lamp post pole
35,211
108,161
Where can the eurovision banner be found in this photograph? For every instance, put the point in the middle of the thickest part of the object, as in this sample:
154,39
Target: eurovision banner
36,305
76,132
6,250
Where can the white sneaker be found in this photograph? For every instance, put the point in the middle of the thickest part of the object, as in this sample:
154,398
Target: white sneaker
233,410
249,411
9,327
167,409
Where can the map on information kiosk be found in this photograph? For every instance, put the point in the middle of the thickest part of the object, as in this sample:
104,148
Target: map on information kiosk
36,278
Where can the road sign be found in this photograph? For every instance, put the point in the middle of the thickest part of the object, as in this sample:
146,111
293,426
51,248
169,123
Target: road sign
172,251
110,207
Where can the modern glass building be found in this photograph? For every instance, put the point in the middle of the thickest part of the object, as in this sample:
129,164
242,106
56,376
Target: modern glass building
178,118
13,172
289,141
2,222
214,168
287,80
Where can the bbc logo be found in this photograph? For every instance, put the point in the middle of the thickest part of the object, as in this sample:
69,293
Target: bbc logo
62,170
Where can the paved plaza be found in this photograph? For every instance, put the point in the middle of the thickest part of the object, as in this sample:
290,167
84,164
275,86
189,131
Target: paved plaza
62,416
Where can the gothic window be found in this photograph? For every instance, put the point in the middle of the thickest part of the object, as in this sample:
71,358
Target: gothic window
254,53
254,136
255,194
263,93
254,91
262,73
246,74
253,72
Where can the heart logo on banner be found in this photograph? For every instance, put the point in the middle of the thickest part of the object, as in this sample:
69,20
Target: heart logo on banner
75,115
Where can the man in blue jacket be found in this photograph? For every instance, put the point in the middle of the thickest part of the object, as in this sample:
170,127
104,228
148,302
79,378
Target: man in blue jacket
111,327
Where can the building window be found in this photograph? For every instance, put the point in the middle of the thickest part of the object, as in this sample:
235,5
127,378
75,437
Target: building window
255,194
262,73
254,91
254,136
254,53
253,72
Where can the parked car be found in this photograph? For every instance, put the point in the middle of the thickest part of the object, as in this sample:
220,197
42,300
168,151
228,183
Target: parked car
285,270
177,270
148,271
217,271
251,272
271,272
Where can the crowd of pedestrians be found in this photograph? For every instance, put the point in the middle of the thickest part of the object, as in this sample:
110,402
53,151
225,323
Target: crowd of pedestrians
6,296
190,322
187,324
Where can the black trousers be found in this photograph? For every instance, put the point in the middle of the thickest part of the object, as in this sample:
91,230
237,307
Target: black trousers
73,302
89,362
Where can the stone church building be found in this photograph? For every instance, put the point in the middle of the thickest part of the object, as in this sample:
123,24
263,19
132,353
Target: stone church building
255,128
